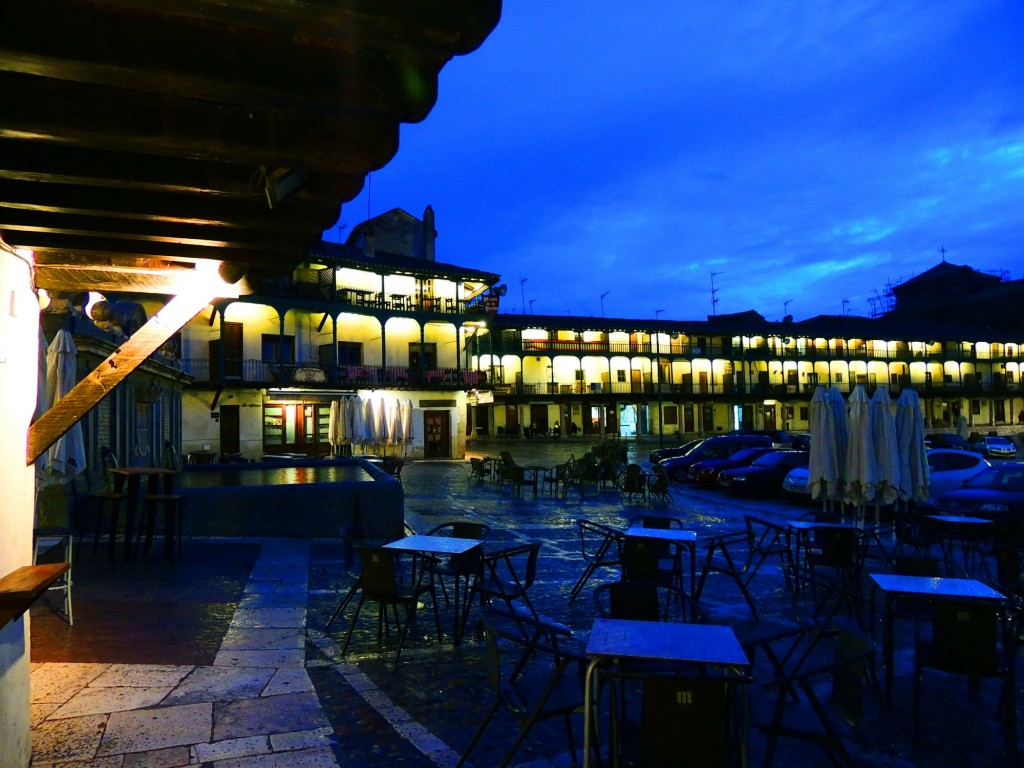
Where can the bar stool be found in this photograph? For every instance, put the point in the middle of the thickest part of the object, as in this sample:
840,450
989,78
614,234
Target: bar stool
172,506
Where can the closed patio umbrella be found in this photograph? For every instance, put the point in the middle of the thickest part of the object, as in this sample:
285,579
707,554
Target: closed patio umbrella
859,478
66,457
332,426
407,421
369,423
885,447
822,471
914,473
835,399
380,415
394,423
358,422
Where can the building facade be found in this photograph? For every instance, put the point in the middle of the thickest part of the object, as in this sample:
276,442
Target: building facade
376,318
600,376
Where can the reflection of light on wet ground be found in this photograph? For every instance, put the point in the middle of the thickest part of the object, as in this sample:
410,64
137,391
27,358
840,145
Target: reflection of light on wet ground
283,475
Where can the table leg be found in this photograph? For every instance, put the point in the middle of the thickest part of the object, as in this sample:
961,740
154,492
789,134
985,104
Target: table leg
134,483
887,649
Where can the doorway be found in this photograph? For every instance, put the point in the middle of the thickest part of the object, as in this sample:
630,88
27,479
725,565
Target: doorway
436,435
229,429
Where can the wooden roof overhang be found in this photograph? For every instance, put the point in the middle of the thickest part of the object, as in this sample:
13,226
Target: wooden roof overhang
140,138
473,281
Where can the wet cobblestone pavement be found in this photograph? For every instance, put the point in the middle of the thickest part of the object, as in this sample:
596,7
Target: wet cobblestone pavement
274,689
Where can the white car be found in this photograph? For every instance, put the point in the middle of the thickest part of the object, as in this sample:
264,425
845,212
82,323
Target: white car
949,468
795,483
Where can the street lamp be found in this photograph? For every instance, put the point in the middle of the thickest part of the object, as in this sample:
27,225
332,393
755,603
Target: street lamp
522,292
531,305
602,301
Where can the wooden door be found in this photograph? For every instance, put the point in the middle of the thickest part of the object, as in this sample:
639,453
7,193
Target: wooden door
229,429
436,435
231,338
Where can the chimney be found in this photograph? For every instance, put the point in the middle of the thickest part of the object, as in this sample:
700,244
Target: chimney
429,233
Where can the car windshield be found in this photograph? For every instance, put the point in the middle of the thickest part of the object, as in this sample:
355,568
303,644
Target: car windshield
998,441
1006,478
769,460
746,453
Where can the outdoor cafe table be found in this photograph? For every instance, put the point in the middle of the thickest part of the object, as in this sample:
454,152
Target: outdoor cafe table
895,586
613,640
677,538
420,544
132,477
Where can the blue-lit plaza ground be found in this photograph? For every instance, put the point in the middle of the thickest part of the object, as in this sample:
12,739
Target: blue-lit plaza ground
221,659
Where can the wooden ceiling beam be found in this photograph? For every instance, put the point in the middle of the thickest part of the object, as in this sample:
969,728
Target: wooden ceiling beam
300,213
111,119
37,161
70,409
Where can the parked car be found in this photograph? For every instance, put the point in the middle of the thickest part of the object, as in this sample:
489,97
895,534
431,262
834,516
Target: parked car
706,472
994,493
995,447
716,447
765,475
950,467
659,454
944,440
780,438
795,484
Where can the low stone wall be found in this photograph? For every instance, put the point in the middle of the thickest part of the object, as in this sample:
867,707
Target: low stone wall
321,510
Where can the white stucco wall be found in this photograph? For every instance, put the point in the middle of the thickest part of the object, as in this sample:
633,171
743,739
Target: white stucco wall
19,361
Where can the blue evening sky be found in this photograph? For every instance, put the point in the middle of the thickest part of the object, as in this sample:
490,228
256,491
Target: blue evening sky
802,152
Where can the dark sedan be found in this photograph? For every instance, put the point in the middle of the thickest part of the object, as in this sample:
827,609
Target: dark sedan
715,447
994,493
706,472
658,454
764,476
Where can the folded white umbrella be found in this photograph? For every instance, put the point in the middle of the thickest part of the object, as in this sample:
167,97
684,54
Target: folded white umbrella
65,459
859,478
822,470
885,447
915,475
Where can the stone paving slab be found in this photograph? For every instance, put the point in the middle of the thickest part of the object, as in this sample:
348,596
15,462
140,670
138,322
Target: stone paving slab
220,683
94,701
143,730
267,715
73,738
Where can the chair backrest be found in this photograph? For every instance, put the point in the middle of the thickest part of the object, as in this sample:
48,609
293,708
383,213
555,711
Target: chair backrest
640,558
634,600
378,573
840,547
171,458
461,529
514,568
964,639
633,479
916,565
600,542
694,712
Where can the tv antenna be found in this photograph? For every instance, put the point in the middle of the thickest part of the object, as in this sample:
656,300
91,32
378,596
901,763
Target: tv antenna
785,307
714,293
602,301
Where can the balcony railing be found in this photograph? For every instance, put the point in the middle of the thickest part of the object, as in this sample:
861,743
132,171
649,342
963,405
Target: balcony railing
363,298
262,373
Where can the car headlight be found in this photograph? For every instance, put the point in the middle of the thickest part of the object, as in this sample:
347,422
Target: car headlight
992,506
